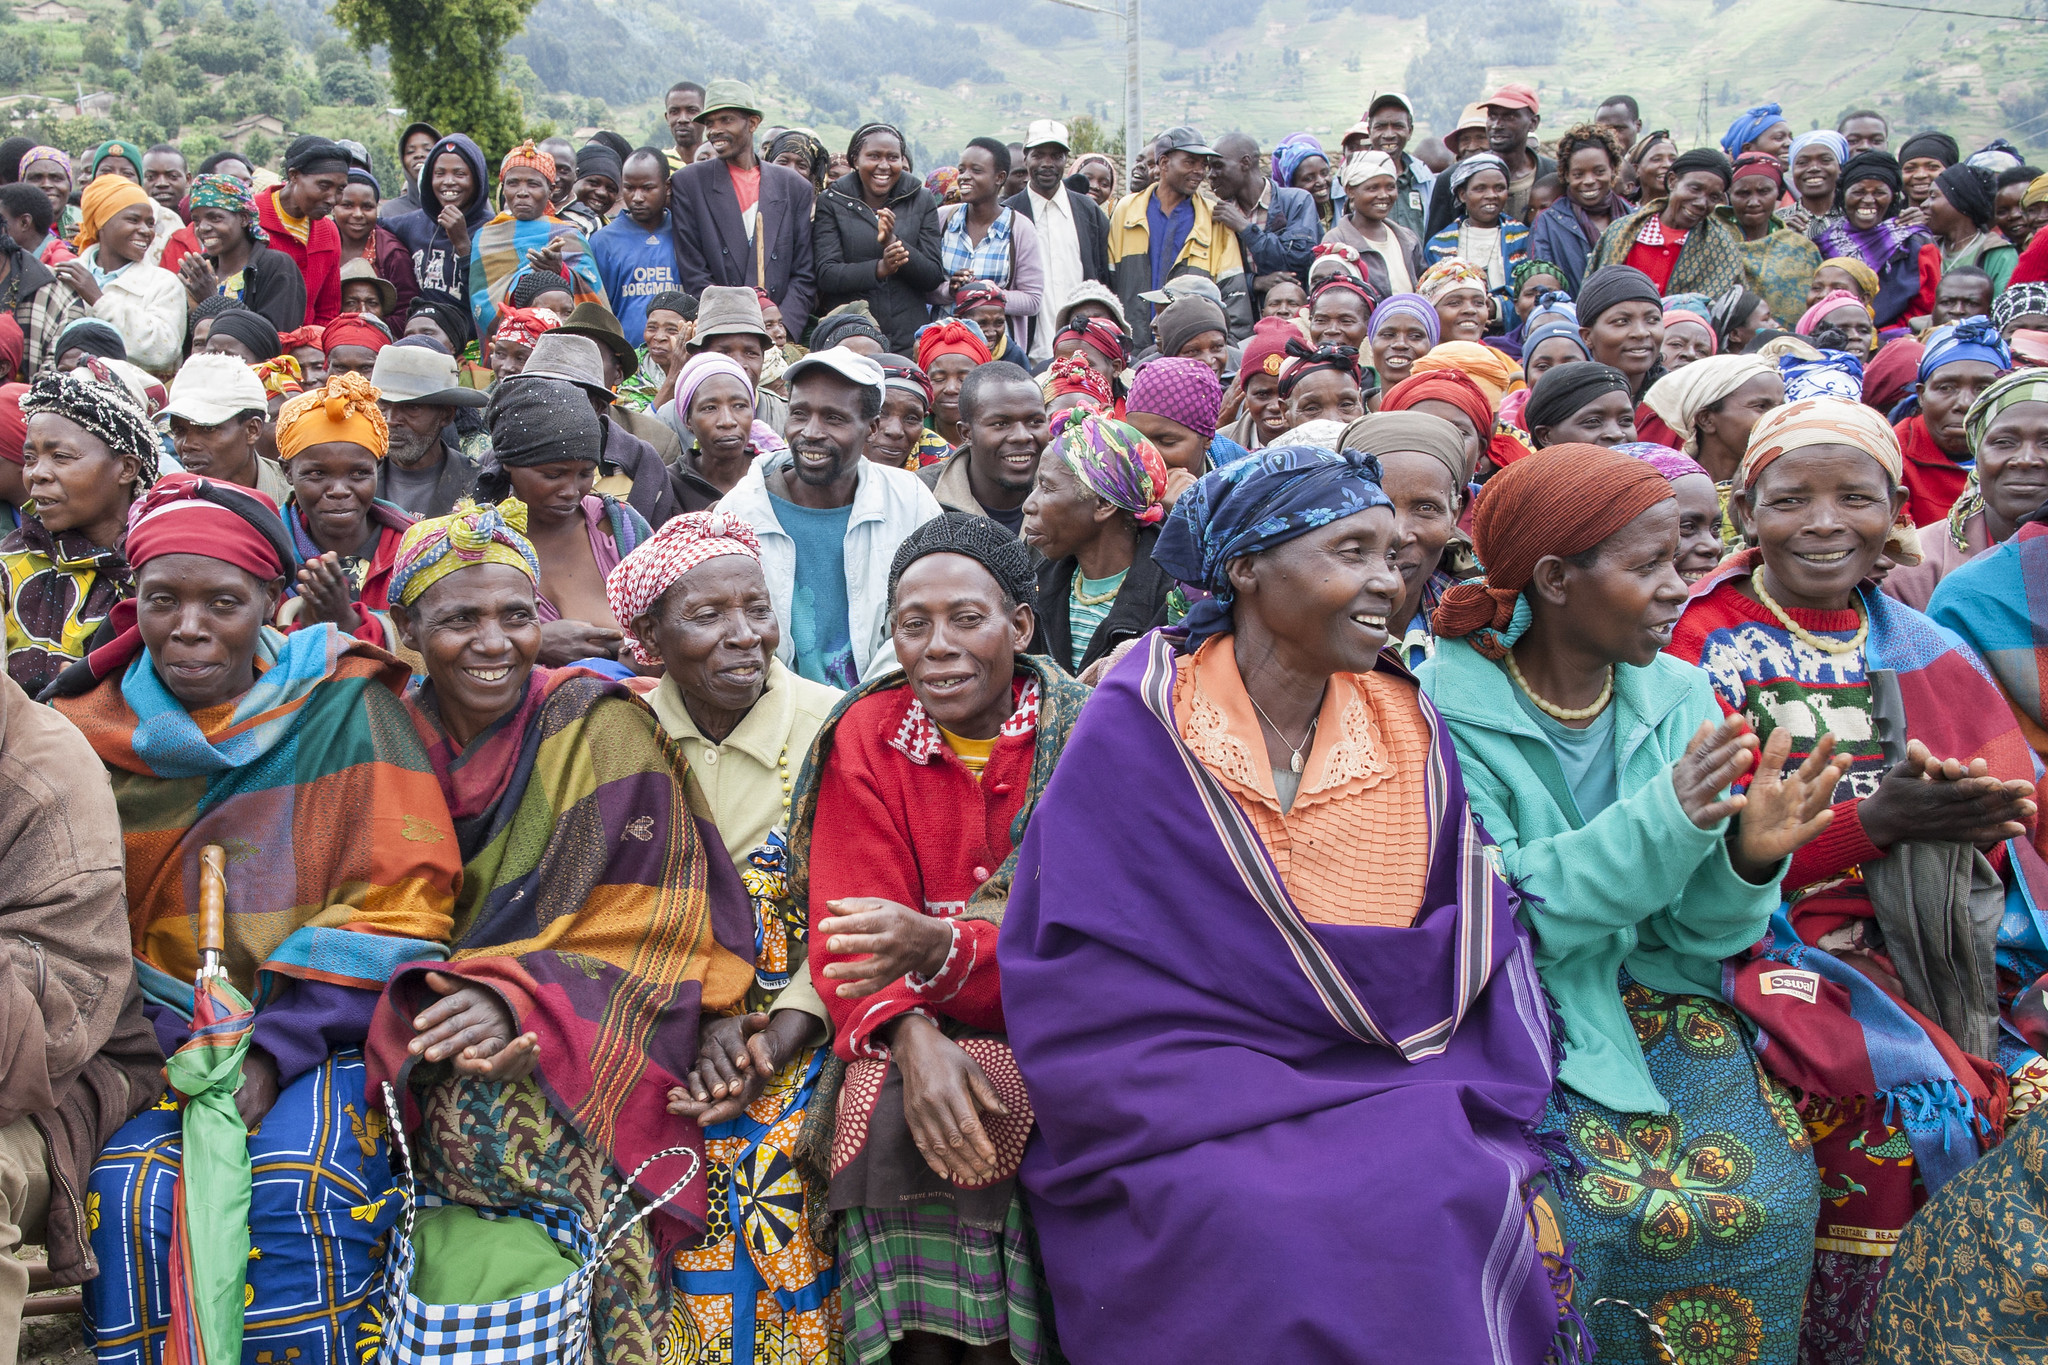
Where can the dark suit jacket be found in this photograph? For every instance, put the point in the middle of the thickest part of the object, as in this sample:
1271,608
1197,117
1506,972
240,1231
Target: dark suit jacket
711,238
1091,227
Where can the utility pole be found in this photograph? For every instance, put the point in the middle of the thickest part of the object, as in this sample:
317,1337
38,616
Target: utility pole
1134,94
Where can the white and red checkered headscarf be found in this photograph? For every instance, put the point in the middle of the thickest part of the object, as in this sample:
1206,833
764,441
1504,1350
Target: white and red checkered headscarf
679,546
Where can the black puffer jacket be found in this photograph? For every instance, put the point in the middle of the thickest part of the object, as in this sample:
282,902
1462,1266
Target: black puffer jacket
845,251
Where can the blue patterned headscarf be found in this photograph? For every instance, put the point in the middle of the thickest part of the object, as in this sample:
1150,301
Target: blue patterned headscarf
1277,495
1749,125
1292,150
1837,374
1971,339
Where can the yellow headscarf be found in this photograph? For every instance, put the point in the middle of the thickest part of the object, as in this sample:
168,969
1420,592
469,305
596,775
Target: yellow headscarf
106,196
470,535
343,409
1865,277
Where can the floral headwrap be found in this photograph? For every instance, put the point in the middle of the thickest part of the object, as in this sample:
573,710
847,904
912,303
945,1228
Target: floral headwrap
97,400
1278,494
524,326
474,533
343,409
51,154
226,192
1071,374
280,375
944,184
1113,461
1447,277
682,543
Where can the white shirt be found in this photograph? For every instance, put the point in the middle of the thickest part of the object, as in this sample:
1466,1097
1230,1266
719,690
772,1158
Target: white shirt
1059,245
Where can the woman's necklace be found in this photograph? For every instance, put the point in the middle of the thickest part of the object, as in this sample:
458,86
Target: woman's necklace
1086,599
1293,763
1562,713
1807,637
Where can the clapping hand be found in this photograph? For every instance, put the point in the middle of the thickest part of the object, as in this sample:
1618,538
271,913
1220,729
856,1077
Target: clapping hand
1783,811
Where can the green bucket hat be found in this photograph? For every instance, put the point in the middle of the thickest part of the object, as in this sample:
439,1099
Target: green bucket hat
724,95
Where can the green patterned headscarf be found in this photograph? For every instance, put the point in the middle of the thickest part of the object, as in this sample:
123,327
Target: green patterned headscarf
1524,269
226,192
2021,386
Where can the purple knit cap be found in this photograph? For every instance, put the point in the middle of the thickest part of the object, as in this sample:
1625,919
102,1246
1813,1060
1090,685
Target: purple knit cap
1672,464
1407,305
1180,389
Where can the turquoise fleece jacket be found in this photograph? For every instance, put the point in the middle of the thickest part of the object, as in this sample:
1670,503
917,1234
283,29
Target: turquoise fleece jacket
1638,886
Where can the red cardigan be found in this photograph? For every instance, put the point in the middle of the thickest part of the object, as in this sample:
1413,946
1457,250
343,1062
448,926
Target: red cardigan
1933,480
899,817
318,257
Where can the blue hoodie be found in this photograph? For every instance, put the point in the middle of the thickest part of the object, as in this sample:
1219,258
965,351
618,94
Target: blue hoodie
435,261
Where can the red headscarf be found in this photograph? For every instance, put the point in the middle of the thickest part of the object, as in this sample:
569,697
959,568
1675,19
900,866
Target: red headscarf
172,519
288,342
1100,336
354,329
13,425
950,336
1071,374
1891,372
1457,389
12,347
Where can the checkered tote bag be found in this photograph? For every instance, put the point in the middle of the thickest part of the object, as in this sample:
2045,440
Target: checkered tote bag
549,1324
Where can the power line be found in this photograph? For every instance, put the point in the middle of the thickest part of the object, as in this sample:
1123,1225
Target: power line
1953,13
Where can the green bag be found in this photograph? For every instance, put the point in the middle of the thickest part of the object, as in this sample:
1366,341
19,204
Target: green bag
464,1259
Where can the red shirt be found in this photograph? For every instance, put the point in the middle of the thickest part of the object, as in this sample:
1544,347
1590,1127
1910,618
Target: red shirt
318,257
899,817
1932,477
746,185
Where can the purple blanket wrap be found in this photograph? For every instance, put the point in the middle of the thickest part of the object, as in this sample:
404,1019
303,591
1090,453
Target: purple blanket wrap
1228,1166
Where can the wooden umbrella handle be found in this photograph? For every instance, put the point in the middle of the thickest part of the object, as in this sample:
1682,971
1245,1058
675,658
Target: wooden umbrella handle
213,898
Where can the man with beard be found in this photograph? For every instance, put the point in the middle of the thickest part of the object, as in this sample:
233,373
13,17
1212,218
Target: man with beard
830,520
424,471
992,474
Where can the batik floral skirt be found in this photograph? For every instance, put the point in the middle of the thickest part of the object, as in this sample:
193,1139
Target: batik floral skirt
1700,1219
320,1210
759,1290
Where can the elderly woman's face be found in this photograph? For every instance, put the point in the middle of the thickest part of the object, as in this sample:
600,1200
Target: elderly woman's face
1061,515
1338,318
1853,321
721,417
1699,526
1865,202
1426,503
1624,607
76,481
1325,394
52,180
200,619
2012,461
479,632
351,359
715,631
898,430
1683,345
1269,411
312,365
958,642
1945,401
1323,600
1821,514
334,484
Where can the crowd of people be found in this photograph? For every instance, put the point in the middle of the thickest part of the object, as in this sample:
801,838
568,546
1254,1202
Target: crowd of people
724,671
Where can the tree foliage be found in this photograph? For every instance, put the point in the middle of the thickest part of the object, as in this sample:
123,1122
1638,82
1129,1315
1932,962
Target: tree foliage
447,59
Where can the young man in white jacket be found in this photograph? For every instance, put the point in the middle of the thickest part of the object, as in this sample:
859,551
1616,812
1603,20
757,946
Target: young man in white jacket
829,520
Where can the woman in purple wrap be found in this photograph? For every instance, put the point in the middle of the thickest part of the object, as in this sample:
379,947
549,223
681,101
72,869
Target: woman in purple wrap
1287,1078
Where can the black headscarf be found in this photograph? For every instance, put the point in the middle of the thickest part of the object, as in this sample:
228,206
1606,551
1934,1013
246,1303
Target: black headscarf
449,313
1704,159
1314,360
252,330
310,155
597,158
538,421
1612,285
620,147
954,532
674,301
1871,165
1939,146
797,140
837,327
1563,389
1973,191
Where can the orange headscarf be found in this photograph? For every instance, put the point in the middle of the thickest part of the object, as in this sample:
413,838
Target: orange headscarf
343,409
106,196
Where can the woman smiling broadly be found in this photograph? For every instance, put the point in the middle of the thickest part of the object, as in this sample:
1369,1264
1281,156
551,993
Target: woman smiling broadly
597,918
1303,784
1794,640
1676,240
144,302
1904,256
1602,768
697,607
216,729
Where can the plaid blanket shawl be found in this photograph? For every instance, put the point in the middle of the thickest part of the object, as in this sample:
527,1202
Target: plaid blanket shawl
593,904
342,864
497,258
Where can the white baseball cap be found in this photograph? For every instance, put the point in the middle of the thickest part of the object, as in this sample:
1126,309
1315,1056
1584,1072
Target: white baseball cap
210,389
847,364
1046,132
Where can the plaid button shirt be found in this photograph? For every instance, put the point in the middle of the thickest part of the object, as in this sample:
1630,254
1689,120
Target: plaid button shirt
987,260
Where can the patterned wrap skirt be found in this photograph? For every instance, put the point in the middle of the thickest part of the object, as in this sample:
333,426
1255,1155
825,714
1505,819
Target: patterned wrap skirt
1702,1218
320,1210
921,1269
759,1289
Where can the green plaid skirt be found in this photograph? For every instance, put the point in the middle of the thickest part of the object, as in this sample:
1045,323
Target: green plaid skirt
920,1269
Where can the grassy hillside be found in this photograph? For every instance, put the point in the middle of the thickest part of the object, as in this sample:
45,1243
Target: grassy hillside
199,70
